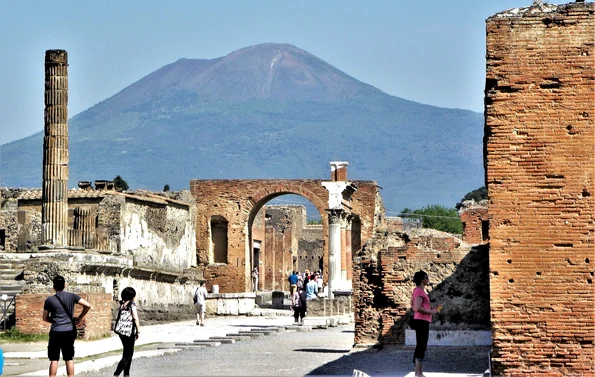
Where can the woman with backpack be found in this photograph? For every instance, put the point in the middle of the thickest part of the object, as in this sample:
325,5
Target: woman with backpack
127,327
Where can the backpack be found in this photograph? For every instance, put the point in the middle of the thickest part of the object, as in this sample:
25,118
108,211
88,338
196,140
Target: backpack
125,322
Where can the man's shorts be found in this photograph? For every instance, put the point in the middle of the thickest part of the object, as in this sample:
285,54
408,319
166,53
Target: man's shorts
61,341
200,308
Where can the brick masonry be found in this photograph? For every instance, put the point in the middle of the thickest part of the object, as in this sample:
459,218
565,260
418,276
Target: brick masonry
238,202
96,324
540,166
382,284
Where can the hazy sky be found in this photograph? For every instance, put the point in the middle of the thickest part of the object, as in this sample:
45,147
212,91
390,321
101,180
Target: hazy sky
431,51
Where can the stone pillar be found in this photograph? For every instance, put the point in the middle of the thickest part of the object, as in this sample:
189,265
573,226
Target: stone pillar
54,211
343,248
348,250
334,250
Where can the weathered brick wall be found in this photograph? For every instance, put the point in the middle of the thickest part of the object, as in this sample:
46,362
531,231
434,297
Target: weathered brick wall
540,166
96,324
382,284
472,219
238,201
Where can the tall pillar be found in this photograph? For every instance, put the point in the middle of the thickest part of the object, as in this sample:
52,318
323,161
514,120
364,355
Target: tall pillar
348,250
54,210
334,250
343,249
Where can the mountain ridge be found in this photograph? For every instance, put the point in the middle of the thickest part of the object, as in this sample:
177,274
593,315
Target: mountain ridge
265,111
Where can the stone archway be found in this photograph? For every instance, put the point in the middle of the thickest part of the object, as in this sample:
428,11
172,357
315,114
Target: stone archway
236,202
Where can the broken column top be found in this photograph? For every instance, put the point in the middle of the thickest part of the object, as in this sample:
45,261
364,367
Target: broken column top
339,170
56,56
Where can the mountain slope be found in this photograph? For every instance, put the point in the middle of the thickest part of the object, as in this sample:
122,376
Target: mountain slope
265,111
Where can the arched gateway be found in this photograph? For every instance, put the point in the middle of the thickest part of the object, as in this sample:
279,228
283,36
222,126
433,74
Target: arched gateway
226,210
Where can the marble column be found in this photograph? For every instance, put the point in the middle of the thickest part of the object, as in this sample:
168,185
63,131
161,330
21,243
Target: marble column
54,205
334,251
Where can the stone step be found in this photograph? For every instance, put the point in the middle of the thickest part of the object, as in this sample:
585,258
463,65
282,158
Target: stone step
184,345
172,346
207,343
277,329
235,337
264,332
220,340
248,333
299,328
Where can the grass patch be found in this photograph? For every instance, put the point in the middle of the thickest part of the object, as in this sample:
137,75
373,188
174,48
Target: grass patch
15,336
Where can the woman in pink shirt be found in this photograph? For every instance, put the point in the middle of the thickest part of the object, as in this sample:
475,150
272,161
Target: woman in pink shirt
420,302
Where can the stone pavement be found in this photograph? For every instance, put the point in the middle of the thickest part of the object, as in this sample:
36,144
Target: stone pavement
158,340
167,338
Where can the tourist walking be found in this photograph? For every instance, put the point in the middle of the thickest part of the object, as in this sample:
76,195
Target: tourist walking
298,304
420,302
293,280
312,288
200,303
58,310
127,327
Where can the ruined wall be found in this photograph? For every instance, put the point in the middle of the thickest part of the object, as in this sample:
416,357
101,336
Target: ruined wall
540,166
96,324
474,217
238,201
161,295
383,282
158,233
311,249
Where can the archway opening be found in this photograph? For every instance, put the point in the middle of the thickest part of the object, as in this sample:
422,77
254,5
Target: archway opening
287,234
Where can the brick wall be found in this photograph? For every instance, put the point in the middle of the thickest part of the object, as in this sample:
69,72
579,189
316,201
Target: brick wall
473,220
96,324
540,166
382,284
238,201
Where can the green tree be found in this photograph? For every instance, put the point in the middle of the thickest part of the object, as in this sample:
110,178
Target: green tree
437,217
120,184
166,188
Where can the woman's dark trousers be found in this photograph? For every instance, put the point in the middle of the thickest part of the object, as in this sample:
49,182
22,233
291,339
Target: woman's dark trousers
127,352
422,332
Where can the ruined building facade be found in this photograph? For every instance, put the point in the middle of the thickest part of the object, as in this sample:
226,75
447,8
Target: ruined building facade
540,166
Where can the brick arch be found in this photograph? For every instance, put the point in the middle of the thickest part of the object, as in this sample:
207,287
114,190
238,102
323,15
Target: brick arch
238,200
267,193
319,200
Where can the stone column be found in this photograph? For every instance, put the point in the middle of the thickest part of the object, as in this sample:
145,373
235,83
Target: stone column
54,210
334,250
348,250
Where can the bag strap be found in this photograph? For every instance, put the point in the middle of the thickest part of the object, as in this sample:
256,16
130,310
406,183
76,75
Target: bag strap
67,312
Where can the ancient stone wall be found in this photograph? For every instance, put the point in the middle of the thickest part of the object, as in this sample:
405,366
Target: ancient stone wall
162,295
96,324
238,202
474,217
311,249
158,233
540,166
382,284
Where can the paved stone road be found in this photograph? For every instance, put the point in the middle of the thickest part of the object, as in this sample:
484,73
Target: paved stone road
316,353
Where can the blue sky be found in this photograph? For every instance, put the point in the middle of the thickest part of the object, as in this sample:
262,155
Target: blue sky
431,52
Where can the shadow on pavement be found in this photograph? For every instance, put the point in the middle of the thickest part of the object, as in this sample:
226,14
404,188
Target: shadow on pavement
398,360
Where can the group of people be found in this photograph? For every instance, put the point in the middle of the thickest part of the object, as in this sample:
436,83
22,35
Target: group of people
58,310
303,288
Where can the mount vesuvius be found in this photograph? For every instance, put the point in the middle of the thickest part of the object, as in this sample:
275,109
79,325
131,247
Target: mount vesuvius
265,111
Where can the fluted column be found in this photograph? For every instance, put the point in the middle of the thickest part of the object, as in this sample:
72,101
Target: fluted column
54,211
